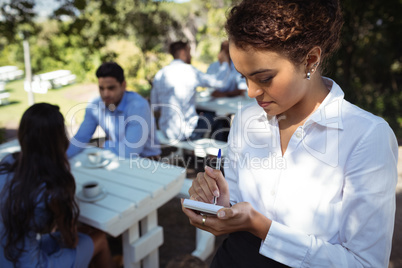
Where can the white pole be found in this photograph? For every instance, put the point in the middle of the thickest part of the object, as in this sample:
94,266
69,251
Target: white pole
28,72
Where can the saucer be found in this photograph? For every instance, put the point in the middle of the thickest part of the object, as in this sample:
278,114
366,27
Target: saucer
80,195
203,99
102,163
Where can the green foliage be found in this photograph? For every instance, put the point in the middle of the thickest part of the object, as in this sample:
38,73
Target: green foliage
368,63
12,54
150,24
211,35
82,34
17,18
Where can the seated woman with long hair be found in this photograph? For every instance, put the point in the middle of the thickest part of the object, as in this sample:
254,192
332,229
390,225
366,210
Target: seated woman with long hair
38,220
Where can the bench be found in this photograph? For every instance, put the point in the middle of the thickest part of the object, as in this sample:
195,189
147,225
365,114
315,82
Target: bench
41,83
64,81
2,86
9,73
201,147
4,98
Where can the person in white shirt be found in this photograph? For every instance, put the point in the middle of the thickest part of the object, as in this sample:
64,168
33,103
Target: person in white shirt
310,178
237,85
173,95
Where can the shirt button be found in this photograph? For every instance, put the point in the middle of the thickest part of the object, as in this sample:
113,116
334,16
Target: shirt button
298,134
272,192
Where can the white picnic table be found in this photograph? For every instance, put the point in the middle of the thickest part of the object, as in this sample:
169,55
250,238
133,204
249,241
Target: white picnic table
41,83
221,106
8,73
4,95
135,189
4,98
2,86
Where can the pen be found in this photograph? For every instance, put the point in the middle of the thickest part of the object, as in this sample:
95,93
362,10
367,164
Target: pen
218,160
218,167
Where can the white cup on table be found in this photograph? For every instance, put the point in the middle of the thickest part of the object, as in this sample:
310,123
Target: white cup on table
95,157
91,189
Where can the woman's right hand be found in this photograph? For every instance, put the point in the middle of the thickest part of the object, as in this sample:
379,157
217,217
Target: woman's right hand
209,184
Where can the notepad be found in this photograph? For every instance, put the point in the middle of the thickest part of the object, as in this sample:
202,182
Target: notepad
201,206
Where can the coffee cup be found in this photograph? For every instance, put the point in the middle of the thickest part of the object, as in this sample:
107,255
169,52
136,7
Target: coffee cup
91,189
95,158
206,93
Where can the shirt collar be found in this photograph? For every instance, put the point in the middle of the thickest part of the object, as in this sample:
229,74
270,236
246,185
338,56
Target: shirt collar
329,113
123,103
120,108
177,61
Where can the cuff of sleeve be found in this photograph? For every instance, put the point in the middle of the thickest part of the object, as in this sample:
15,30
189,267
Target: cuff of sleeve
286,246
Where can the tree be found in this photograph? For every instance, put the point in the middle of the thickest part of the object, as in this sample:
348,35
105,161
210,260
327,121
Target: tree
368,63
83,33
15,14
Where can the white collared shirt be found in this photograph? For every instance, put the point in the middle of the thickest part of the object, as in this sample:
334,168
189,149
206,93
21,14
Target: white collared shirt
173,94
331,196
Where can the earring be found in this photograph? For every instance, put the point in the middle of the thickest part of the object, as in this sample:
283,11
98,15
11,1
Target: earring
308,75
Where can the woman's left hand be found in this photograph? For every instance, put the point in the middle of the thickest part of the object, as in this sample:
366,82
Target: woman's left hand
240,217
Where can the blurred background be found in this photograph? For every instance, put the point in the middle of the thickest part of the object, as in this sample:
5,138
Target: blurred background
78,35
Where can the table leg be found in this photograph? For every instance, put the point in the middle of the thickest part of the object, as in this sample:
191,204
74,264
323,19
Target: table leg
149,223
141,243
129,236
152,260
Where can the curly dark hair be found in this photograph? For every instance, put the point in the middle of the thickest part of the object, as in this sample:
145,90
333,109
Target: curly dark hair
289,27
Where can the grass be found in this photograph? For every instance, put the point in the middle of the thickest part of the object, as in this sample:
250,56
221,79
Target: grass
71,100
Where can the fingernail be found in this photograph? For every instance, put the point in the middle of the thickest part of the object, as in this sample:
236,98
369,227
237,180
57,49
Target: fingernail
216,193
221,214
208,168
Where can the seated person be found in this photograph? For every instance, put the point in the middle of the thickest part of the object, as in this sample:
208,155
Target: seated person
237,85
38,220
125,117
174,91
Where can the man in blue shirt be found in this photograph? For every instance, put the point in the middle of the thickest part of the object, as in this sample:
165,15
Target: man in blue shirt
125,117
